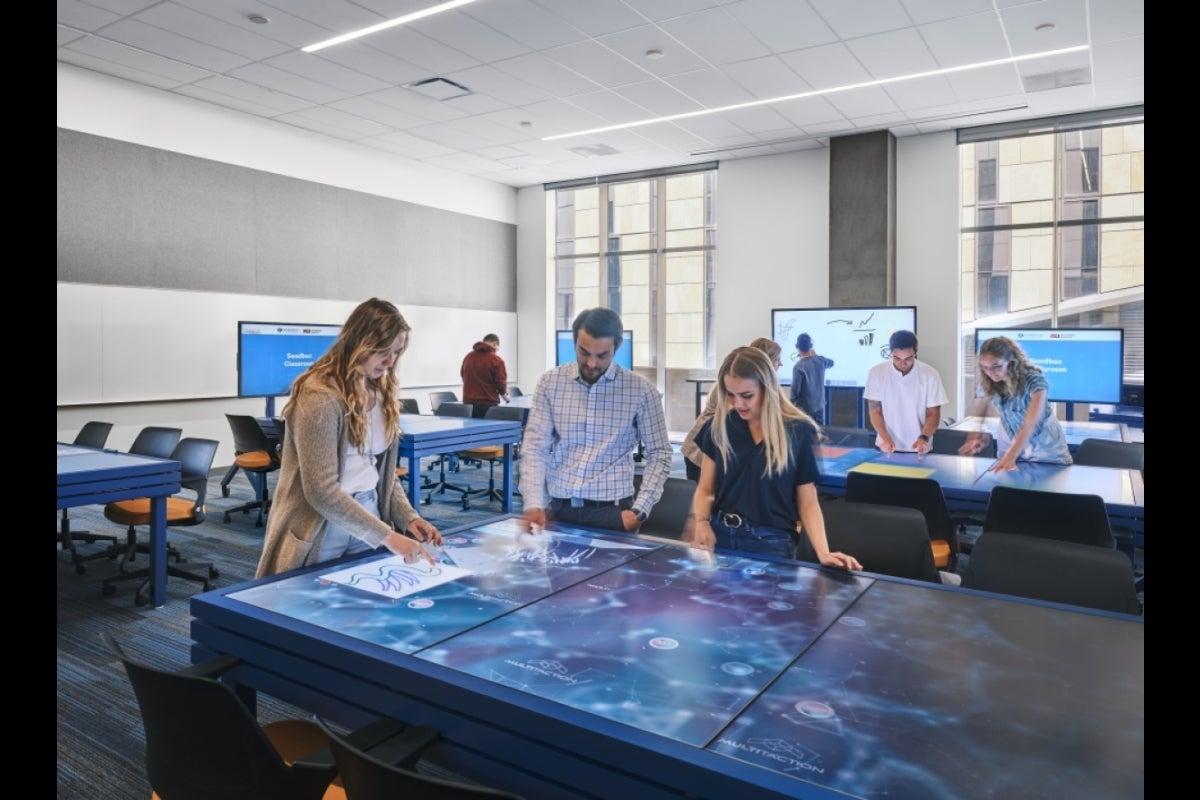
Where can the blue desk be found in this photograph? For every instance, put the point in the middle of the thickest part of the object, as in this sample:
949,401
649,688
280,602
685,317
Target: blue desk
430,435
1134,416
967,484
92,477
594,665
1075,432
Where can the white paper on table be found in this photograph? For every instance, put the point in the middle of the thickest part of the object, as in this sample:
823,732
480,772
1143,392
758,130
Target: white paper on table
393,578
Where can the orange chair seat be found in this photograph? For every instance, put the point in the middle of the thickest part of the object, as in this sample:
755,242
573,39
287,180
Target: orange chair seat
255,459
941,553
137,511
483,453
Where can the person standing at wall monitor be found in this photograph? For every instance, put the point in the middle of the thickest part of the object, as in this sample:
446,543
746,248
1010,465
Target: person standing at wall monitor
904,399
585,423
808,379
484,376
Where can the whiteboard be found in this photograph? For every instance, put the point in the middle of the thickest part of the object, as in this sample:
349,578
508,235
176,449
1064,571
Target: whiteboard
856,338
120,344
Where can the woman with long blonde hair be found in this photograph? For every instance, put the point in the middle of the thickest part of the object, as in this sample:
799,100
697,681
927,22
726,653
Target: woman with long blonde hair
758,477
337,492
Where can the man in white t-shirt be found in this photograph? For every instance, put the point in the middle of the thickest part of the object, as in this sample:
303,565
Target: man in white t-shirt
904,399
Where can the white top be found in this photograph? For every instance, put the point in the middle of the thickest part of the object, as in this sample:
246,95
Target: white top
904,399
361,473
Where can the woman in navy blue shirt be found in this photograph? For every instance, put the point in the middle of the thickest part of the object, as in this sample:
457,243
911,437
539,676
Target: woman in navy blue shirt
758,476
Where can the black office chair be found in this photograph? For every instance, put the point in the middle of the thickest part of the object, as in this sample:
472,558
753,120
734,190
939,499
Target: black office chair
94,435
409,405
446,408
195,457
1079,518
888,540
489,454
1052,570
154,441
388,771
514,390
842,436
923,494
668,517
1110,453
437,398
203,743
258,456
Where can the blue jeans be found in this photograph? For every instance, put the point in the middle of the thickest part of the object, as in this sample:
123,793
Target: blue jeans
749,538
339,542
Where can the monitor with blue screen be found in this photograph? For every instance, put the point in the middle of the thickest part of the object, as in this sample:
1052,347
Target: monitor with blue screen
565,351
1082,365
272,354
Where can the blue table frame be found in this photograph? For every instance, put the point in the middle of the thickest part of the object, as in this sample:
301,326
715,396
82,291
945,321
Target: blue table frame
92,477
967,484
430,435
1075,432
592,665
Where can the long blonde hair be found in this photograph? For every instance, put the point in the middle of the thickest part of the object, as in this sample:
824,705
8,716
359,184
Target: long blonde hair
371,328
1019,366
750,363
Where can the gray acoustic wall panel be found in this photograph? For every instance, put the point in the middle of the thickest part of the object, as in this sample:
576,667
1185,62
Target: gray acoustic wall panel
137,216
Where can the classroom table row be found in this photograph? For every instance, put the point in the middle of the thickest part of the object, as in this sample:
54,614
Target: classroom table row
587,664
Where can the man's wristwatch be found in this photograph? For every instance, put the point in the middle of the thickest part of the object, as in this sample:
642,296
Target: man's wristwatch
641,515
924,437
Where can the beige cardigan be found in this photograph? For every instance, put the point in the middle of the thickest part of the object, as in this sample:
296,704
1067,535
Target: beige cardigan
308,493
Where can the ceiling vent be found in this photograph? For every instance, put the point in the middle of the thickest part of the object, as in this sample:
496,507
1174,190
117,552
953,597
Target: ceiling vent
593,151
439,88
1057,80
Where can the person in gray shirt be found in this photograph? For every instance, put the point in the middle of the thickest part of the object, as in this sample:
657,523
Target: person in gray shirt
808,379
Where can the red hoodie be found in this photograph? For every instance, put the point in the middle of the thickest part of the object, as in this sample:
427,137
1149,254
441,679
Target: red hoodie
485,380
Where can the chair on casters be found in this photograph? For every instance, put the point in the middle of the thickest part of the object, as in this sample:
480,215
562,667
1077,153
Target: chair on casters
889,540
1052,570
409,405
437,398
202,742
1119,455
94,435
258,456
1079,518
389,770
195,457
490,454
923,494
669,515
842,436
153,441
446,408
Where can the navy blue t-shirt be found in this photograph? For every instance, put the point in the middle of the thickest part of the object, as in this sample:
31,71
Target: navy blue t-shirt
769,502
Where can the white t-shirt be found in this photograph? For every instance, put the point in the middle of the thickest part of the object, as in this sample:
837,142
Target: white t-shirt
361,472
904,399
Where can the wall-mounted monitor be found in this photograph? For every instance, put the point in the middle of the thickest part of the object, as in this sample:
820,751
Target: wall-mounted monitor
1082,365
272,354
565,349
856,338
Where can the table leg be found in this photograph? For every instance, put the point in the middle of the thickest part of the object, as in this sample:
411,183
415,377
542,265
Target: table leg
158,551
506,503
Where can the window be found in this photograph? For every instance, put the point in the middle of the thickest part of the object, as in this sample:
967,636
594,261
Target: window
1054,230
644,247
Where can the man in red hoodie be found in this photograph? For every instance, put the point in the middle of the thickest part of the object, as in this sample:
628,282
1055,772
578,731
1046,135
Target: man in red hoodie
485,380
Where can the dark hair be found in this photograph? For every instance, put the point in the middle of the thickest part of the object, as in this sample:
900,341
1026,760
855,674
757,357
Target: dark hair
804,342
600,323
491,337
903,340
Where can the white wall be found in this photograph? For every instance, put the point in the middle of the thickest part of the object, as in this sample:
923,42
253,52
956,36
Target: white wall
117,109
772,242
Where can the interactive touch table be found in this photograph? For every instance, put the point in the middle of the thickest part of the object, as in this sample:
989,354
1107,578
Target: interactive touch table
580,664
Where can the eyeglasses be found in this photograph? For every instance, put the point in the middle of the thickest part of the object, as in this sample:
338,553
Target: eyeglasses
999,365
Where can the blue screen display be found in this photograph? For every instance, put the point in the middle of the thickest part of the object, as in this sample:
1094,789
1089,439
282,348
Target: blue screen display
566,349
1082,365
272,354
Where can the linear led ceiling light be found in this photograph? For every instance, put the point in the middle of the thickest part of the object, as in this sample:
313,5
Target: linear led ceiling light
391,23
818,92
